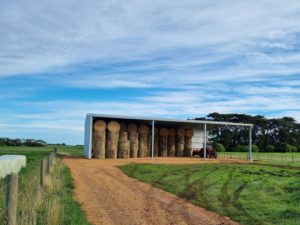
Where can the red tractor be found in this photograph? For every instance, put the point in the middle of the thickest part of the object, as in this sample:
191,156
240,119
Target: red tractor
210,152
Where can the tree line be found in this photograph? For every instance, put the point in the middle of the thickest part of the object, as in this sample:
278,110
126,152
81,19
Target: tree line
268,135
22,142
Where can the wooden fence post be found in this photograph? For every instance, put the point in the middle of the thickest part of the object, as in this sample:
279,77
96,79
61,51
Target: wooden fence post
42,172
49,164
292,158
11,199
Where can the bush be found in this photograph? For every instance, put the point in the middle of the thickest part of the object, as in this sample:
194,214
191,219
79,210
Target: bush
289,148
240,148
219,147
255,148
270,148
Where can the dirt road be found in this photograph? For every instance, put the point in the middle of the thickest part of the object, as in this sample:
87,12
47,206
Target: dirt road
109,197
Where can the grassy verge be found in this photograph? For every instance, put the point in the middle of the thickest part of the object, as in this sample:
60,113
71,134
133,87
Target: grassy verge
52,204
249,194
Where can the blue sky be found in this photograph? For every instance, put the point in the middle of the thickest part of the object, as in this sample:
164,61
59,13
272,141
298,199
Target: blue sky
60,60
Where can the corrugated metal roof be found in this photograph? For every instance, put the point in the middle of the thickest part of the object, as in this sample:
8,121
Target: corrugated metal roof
149,119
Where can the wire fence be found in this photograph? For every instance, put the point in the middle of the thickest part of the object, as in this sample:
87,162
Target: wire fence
278,158
14,190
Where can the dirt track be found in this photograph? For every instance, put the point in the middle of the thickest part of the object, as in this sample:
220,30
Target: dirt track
109,197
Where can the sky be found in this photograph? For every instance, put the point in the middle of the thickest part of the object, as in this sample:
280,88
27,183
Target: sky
60,60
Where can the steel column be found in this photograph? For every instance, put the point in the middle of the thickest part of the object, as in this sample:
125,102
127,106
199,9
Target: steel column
205,128
250,144
152,141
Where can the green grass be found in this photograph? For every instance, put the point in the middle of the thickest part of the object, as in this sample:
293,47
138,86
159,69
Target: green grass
249,194
53,204
290,159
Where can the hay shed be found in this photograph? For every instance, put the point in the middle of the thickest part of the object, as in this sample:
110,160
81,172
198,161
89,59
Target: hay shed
189,134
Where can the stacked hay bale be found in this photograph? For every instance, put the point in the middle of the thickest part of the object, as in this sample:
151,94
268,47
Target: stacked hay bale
188,142
163,142
171,142
134,140
156,142
180,142
113,128
148,154
98,139
143,140
124,144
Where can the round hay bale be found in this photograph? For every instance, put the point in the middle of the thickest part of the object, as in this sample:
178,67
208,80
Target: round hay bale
188,146
111,149
123,136
134,146
179,146
123,127
171,146
156,144
172,132
180,132
132,128
163,131
133,136
143,129
163,150
100,125
113,135
99,135
113,126
99,149
123,150
189,133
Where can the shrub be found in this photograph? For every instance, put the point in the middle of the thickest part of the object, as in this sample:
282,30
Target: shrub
219,147
240,148
255,148
270,148
289,148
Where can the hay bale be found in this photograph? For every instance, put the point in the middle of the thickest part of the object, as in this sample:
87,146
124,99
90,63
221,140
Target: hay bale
172,132
180,132
143,140
189,133
111,149
113,126
123,150
98,144
132,128
188,146
179,146
99,125
163,131
171,146
123,136
143,129
123,127
163,146
134,144
113,135
148,154
156,142
99,150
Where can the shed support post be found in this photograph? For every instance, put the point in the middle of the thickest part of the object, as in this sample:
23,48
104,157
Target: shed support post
250,144
205,128
152,141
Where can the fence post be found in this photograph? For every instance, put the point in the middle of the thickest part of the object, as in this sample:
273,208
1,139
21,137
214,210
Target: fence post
49,164
11,199
230,155
42,172
292,158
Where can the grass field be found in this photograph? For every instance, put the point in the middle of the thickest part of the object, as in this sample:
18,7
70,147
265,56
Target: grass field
249,194
290,159
51,205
